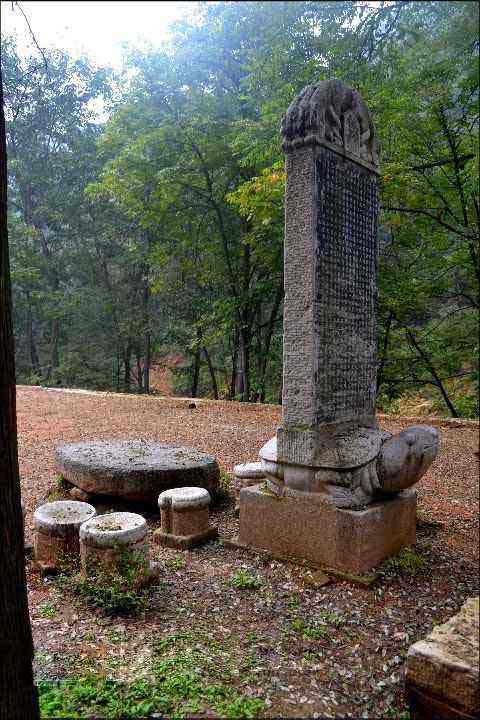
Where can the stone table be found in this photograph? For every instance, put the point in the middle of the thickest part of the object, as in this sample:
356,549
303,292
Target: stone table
136,470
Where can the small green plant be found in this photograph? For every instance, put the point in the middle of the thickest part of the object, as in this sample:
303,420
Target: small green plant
331,618
47,610
309,632
224,495
62,483
407,562
119,590
243,579
176,563
184,682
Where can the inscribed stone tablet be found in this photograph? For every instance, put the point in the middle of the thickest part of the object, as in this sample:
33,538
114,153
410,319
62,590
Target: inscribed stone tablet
345,295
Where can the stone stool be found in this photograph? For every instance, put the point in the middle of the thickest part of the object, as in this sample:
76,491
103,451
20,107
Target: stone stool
246,475
114,541
184,515
57,531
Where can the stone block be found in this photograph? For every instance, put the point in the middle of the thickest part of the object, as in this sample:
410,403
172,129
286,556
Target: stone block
184,516
305,528
442,676
56,527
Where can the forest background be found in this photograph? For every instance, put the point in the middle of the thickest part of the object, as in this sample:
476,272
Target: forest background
149,236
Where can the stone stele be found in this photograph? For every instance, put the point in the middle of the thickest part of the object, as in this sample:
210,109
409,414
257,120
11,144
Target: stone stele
442,676
329,448
135,470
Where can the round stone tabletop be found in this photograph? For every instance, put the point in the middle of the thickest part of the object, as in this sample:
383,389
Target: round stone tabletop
137,470
118,528
184,498
61,513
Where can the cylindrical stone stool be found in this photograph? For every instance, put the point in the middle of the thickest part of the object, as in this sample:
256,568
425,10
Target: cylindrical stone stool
246,475
57,531
115,543
184,515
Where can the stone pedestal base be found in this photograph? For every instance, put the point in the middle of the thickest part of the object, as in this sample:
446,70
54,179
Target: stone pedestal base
355,541
184,542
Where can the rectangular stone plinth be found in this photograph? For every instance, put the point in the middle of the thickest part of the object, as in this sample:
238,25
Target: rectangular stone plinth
352,540
184,542
442,677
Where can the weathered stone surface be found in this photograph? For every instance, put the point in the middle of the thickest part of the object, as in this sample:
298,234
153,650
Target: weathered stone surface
307,528
330,324
398,463
109,542
405,457
184,516
331,114
184,498
325,460
135,470
56,527
442,677
250,470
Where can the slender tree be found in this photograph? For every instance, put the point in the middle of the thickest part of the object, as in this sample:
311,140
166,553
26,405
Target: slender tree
18,697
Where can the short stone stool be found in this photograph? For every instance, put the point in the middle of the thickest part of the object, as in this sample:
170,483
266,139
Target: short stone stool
56,527
115,543
184,515
246,475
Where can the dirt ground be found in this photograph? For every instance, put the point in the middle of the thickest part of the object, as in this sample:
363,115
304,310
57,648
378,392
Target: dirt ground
303,651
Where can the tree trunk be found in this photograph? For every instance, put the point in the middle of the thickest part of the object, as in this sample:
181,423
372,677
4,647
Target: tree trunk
139,372
211,370
54,362
147,363
242,384
196,372
34,359
268,339
18,697
128,371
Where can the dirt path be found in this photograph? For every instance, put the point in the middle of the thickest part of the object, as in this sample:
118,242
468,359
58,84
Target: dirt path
334,651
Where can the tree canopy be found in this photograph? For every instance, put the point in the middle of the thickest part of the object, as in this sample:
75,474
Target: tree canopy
160,230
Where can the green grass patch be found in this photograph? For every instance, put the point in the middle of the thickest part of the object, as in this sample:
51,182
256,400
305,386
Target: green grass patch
47,610
187,677
121,590
407,562
242,579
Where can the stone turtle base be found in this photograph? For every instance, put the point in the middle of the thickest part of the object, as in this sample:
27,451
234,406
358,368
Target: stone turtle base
355,541
184,542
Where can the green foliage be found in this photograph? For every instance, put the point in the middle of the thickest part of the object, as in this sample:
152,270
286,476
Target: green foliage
407,562
161,231
47,610
242,579
186,680
119,590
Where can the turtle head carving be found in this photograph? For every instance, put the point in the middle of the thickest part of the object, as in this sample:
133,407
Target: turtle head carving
405,457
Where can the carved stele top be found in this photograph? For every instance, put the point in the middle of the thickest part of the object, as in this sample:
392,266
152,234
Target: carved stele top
330,113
